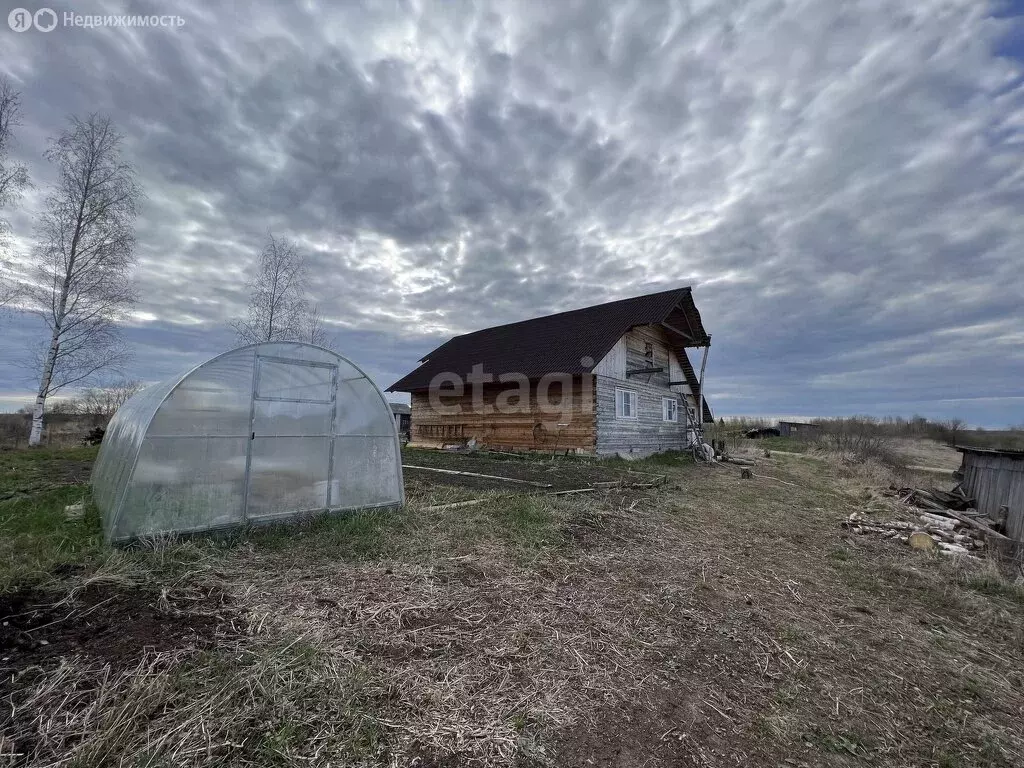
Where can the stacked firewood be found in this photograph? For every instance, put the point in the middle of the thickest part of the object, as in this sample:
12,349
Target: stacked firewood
939,520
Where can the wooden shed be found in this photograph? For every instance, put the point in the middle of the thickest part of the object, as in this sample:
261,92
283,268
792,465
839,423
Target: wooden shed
799,429
995,479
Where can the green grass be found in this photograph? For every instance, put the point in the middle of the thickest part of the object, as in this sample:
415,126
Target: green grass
655,463
525,521
994,585
358,535
37,540
32,470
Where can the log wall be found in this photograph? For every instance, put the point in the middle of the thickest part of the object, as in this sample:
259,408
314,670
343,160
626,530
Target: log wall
524,426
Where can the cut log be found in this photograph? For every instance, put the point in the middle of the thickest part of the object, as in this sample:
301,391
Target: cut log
942,522
977,525
921,540
952,549
895,525
740,462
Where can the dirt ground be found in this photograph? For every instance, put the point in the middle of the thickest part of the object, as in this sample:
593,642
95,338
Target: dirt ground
708,621
103,621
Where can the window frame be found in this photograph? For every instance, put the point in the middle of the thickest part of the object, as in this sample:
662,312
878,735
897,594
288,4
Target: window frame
675,410
634,404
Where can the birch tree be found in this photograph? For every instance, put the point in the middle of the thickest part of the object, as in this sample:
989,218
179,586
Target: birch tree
278,307
316,333
13,177
84,257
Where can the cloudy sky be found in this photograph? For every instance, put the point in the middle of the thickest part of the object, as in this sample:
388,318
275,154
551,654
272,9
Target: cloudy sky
842,183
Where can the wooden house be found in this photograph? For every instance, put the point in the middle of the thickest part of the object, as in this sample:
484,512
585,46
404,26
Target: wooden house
608,379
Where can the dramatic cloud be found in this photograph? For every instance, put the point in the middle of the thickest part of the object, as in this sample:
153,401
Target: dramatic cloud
842,183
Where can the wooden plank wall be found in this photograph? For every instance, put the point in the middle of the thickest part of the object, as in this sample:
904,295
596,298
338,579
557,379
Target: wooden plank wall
628,354
528,428
647,434
641,436
995,481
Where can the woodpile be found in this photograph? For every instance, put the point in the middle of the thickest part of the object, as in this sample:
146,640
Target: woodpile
945,521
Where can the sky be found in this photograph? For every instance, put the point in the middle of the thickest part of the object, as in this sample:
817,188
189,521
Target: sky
841,183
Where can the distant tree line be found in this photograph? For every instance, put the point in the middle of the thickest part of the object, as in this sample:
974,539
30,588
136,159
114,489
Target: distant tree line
863,429
99,402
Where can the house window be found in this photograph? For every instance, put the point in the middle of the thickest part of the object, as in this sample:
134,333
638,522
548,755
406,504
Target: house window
669,409
625,404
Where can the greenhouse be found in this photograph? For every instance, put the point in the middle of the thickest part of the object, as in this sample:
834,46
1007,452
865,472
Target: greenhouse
263,433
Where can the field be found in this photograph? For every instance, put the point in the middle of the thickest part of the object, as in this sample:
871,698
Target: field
704,621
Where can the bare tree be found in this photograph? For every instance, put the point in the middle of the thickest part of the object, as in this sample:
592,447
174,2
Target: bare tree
85,254
953,428
316,333
278,307
13,177
103,401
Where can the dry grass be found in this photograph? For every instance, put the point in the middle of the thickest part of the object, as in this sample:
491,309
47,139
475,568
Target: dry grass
710,621
928,453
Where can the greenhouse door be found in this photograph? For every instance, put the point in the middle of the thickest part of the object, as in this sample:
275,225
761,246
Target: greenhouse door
289,462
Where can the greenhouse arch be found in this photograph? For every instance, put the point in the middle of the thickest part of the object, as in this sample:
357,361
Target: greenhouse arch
259,434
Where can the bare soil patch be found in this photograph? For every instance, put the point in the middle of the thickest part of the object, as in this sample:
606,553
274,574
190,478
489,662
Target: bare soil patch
106,622
97,634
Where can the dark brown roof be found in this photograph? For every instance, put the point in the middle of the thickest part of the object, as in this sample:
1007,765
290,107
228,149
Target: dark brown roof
562,342
1013,453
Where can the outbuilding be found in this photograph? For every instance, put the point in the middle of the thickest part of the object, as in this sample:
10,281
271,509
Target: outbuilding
994,478
798,429
259,434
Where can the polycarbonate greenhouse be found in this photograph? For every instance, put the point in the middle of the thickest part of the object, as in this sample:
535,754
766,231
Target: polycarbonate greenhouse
259,434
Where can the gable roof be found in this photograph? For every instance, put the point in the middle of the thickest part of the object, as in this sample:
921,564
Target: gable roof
562,342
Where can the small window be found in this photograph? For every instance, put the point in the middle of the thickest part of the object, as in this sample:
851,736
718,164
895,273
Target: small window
669,409
625,404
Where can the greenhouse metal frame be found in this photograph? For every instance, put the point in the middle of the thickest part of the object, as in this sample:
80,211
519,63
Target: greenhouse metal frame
263,433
